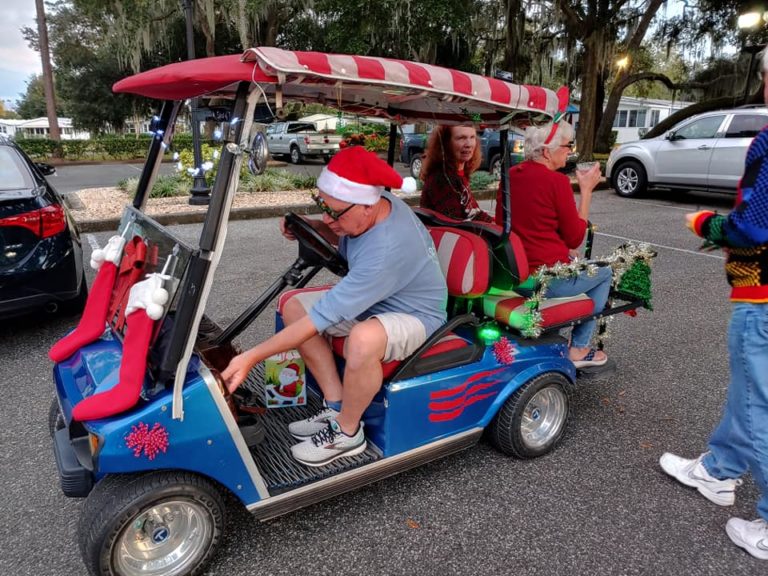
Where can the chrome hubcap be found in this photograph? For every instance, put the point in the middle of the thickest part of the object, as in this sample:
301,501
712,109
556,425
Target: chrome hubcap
543,417
416,166
627,180
167,539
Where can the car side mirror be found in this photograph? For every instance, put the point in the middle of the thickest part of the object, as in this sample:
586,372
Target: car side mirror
671,136
45,169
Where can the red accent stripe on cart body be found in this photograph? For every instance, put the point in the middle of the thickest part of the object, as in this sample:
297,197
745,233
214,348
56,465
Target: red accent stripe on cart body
445,416
456,402
439,394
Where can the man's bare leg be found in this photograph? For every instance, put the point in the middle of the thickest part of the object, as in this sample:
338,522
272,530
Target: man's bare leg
366,345
317,354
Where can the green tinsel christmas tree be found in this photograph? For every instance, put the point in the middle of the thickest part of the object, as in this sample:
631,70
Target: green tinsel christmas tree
636,283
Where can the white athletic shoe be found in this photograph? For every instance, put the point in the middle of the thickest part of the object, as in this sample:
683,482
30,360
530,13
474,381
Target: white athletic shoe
328,444
692,473
303,429
752,536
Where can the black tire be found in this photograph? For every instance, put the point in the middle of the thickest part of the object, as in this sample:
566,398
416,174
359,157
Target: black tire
116,517
55,419
76,304
494,166
295,155
415,165
547,392
629,179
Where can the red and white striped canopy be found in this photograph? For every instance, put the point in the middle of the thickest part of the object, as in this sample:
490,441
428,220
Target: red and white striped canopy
396,89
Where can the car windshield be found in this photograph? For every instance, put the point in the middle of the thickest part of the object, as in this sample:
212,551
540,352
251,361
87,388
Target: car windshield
14,175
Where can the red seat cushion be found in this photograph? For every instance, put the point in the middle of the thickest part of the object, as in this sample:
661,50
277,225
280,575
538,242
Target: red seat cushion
447,343
509,308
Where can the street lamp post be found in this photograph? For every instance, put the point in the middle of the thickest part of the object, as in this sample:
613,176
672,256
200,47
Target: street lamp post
200,193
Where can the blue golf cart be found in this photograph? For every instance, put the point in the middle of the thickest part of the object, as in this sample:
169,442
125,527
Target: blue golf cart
157,477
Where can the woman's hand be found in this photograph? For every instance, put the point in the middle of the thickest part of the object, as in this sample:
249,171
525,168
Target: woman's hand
588,179
236,371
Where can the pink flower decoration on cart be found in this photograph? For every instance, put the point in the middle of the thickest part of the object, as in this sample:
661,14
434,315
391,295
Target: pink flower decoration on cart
504,351
150,441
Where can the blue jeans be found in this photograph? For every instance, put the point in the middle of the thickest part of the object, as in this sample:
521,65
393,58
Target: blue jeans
740,441
596,287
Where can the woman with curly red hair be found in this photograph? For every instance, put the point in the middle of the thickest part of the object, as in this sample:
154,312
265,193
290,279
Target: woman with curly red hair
451,157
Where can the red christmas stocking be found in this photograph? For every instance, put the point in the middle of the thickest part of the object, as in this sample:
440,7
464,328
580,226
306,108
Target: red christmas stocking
94,317
145,306
125,393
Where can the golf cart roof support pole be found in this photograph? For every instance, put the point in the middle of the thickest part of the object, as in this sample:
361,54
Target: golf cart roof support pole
506,201
392,143
199,277
163,128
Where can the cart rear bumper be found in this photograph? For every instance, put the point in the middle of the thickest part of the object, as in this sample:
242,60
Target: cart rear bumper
76,481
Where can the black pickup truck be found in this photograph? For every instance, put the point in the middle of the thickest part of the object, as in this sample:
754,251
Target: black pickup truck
412,149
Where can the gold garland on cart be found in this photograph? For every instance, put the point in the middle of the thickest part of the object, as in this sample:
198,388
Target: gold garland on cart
631,267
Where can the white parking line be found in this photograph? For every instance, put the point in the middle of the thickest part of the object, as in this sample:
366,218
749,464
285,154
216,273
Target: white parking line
693,252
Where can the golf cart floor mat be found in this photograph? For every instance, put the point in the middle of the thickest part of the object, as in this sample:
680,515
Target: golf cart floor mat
273,455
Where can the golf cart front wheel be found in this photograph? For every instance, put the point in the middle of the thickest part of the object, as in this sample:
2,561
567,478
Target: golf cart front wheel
160,523
533,419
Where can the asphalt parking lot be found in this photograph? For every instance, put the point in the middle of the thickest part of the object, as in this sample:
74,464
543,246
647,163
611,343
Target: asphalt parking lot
597,505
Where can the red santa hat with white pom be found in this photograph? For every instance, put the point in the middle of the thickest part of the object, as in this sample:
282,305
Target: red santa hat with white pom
357,176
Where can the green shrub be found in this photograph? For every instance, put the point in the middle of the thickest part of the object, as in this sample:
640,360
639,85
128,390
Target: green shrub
482,181
39,148
164,187
274,180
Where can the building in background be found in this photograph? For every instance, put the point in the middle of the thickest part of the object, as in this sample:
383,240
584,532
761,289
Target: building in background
39,128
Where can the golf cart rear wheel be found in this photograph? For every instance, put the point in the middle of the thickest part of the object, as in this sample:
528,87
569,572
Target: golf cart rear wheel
160,523
533,419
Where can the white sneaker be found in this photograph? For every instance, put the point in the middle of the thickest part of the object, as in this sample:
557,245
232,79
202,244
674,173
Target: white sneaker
692,473
328,444
752,536
308,427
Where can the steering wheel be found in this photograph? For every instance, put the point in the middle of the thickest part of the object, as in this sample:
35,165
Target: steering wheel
313,248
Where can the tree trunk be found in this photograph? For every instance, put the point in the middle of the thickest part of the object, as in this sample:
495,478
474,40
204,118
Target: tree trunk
45,57
589,96
514,31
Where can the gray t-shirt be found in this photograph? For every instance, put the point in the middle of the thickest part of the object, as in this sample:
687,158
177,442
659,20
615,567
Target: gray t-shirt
393,267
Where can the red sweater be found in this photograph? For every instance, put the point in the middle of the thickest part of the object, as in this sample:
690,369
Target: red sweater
544,213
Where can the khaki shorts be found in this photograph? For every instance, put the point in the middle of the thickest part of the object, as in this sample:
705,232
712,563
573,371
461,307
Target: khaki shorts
405,333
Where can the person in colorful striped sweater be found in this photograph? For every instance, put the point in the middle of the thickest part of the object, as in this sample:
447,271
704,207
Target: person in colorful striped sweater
739,443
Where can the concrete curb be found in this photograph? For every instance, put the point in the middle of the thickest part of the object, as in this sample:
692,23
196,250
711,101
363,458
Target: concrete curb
253,212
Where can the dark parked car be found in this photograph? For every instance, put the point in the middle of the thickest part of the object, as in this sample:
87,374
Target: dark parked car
41,257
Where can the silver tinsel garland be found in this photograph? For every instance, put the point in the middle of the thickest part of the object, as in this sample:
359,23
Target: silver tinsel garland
620,260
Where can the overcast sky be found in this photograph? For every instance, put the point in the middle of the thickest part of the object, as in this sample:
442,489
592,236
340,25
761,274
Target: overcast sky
17,60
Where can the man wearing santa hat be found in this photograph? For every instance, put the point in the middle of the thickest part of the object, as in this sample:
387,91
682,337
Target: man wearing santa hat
392,299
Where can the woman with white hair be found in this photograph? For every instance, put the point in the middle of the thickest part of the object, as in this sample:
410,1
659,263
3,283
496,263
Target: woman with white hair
545,217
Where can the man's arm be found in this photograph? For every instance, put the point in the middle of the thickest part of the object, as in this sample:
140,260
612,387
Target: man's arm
288,338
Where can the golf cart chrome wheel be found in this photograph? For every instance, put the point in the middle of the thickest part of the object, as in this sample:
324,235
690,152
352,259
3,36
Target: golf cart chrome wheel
166,539
154,524
544,416
533,419
630,179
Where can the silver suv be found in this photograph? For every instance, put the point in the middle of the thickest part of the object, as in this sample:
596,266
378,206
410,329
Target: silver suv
704,152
